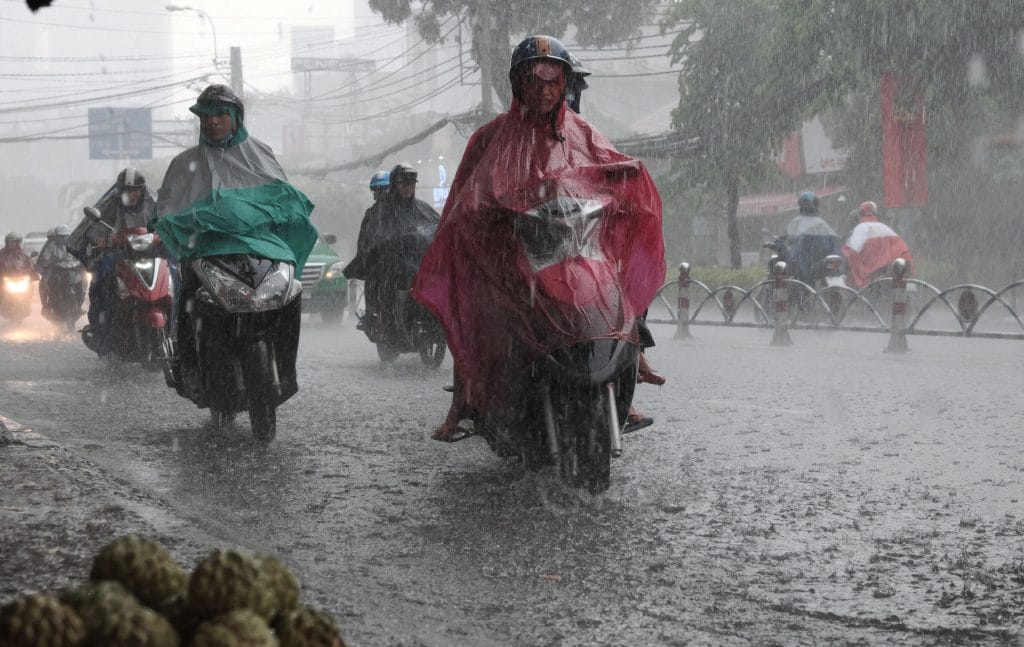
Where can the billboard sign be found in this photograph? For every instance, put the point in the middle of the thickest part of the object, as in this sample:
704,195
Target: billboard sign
819,154
120,133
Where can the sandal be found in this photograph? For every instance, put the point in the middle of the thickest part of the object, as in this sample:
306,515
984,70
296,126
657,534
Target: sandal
636,422
447,434
650,377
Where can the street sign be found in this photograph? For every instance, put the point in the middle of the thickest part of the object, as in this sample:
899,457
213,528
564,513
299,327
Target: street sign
120,133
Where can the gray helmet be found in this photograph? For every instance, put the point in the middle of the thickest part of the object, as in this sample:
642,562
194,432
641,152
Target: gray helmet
218,94
13,236
61,230
130,177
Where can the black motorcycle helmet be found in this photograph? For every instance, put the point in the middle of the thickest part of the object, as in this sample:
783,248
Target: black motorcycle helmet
214,98
807,202
575,84
130,177
535,48
403,173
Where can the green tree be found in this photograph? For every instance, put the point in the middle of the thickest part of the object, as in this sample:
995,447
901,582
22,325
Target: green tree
493,23
734,95
964,57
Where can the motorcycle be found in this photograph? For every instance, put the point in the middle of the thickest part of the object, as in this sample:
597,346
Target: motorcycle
140,297
402,325
65,291
827,272
16,297
238,337
566,408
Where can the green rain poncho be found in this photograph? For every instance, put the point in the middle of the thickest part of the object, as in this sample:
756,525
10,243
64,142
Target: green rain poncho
233,199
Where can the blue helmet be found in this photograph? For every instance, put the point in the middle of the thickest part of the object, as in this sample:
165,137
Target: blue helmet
807,202
380,180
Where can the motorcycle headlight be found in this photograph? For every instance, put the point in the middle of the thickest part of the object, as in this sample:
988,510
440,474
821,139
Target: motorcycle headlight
140,242
334,270
560,229
16,284
276,290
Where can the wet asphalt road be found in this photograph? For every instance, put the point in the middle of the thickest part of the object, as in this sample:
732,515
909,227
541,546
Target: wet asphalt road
822,493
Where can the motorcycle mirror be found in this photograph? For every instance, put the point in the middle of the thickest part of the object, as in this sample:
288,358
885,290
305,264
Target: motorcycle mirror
92,213
33,254
330,239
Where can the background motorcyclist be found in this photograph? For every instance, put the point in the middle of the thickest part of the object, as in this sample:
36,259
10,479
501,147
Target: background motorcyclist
51,255
872,247
130,205
809,239
13,259
382,259
379,185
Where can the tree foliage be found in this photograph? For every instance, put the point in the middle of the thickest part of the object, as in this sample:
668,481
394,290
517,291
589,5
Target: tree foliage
753,69
735,94
493,24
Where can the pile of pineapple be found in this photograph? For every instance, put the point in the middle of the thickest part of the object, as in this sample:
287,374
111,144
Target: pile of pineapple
138,596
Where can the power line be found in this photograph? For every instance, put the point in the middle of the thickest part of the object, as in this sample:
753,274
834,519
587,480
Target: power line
401,108
633,74
120,95
63,6
334,92
417,79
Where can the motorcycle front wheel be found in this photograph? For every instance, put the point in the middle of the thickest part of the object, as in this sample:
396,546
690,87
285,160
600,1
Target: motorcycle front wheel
261,402
586,439
151,349
433,354
386,353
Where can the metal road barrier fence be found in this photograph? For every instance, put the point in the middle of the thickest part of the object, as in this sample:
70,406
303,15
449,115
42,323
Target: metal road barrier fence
893,304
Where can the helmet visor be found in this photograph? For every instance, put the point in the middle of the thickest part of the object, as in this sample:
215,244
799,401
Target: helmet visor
212,108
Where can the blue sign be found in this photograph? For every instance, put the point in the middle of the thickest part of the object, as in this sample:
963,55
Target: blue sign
120,133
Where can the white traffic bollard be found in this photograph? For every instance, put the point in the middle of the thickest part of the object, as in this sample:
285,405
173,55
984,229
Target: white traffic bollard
683,309
898,329
780,293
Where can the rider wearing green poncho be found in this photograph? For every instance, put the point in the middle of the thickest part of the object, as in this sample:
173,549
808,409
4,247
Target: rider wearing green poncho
228,195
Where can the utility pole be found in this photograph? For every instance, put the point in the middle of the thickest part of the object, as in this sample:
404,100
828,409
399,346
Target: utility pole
236,70
482,44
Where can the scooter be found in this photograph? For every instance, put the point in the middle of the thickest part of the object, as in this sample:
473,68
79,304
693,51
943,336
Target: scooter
65,292
402,325
140,297
238,337
827,272
567,408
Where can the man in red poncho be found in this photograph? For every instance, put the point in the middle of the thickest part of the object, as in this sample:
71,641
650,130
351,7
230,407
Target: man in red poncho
872,247
474,277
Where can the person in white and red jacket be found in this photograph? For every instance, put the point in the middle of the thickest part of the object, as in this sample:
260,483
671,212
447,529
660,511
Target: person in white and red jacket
872,247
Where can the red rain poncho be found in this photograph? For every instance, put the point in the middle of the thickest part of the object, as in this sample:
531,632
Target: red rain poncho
871,248
476,279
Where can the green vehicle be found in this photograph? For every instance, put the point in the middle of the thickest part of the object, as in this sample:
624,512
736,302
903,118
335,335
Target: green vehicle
324,287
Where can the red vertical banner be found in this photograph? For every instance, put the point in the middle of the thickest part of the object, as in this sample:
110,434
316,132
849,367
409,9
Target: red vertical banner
904,146
789,159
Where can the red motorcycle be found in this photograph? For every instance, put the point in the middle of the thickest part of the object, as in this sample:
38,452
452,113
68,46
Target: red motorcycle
568,407
141,296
